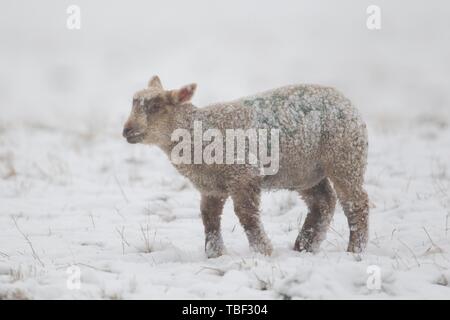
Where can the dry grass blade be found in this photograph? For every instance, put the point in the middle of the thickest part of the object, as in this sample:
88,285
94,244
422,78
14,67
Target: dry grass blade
30,244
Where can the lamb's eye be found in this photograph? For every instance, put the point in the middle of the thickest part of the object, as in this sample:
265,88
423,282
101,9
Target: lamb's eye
152,105
136,106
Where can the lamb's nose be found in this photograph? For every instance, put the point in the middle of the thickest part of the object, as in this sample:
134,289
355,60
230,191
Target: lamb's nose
126,131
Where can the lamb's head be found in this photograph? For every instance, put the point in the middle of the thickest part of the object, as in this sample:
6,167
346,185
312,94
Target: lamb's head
152,111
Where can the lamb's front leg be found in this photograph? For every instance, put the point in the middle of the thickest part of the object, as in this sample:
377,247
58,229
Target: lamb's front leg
246,200
211,208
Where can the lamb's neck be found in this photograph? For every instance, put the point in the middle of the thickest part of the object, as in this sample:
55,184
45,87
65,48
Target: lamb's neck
183,118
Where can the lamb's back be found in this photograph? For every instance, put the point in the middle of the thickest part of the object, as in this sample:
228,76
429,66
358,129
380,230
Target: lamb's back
313,122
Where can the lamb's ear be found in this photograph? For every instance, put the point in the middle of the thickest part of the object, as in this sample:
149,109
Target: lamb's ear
184,94
154,82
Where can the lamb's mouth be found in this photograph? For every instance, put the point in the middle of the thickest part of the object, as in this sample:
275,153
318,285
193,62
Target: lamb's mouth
135,138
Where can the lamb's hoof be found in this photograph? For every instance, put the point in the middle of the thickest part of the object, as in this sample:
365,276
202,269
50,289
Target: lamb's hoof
304,244
355,248
214,250
357,242
214,254
263,248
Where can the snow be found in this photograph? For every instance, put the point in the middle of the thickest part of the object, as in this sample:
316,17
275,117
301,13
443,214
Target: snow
74,193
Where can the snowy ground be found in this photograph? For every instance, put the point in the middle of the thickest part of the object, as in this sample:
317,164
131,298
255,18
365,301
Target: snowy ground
74,193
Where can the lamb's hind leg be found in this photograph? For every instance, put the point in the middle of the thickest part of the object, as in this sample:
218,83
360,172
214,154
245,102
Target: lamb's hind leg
321,202
211,209
347,160
355,203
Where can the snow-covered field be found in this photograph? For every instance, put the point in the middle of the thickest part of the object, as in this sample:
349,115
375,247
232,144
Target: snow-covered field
74,193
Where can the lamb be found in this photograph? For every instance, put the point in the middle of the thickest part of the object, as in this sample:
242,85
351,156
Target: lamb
322,155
